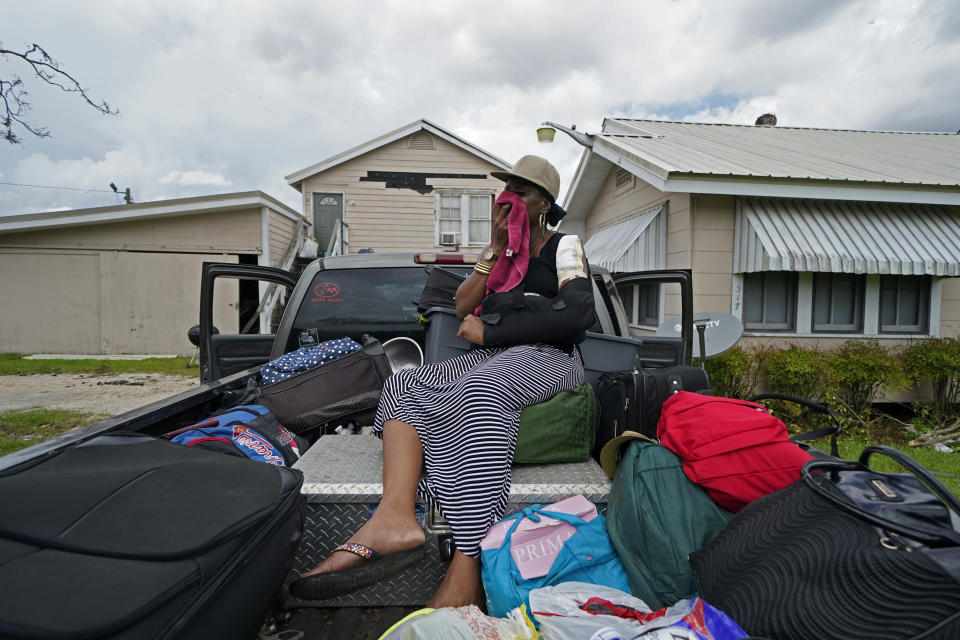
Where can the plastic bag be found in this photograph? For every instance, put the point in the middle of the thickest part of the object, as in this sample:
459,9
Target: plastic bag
558,611
563,615
462,623
309,248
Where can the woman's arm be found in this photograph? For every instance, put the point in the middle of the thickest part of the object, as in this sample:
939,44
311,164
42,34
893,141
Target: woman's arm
567,320
473,290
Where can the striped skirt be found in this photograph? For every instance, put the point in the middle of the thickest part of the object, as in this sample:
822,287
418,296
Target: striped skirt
466,411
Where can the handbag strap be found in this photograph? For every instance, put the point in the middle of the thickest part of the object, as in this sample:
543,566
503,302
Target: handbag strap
815,406
533,513
916,469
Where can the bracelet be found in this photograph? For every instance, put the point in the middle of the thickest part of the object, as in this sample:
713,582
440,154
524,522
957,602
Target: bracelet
482,269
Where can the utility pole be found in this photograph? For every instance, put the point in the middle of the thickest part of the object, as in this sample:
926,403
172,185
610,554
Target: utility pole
126,193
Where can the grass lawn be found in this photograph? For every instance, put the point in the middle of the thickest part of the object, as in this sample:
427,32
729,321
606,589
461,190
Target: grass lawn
12,364
21,429
852,443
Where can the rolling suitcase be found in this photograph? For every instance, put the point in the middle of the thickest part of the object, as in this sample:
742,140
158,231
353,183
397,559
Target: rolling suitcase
128,536
633,399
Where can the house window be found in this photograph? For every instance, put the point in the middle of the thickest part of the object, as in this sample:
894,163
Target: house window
904,304
463,218
642,304
769,301
838,302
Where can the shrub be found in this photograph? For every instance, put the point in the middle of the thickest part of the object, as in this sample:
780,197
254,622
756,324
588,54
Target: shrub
729,373
860,370
796,371
937,361
735,373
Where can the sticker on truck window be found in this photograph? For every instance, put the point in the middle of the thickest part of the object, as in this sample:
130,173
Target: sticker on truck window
309,337
326,292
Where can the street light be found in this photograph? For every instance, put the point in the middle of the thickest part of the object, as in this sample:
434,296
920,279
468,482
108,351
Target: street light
547,131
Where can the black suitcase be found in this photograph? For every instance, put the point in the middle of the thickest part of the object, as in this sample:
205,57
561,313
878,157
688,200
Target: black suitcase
633,399
128,536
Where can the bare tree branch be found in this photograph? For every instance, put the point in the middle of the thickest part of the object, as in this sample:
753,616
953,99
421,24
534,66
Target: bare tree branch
13,93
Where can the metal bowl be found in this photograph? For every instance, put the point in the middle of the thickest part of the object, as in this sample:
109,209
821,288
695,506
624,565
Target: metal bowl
403,353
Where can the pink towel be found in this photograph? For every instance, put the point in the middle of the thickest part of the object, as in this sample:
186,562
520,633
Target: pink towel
511,267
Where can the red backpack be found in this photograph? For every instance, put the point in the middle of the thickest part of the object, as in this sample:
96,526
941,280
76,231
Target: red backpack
732,448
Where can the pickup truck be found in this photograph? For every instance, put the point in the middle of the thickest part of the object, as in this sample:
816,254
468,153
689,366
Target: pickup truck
350,296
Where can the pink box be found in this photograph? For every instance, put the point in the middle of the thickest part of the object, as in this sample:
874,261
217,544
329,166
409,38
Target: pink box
535,545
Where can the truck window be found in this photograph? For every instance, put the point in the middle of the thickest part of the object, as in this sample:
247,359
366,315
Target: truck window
352,302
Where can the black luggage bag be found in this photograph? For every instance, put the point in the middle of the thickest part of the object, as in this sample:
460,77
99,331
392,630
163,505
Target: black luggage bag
633,399
314,401
128,536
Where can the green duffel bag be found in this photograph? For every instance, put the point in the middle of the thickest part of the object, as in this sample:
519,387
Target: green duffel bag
562,429
656,517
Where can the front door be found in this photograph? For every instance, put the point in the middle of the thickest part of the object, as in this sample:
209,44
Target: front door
327,209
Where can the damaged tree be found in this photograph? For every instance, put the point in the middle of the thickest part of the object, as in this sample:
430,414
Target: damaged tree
13,93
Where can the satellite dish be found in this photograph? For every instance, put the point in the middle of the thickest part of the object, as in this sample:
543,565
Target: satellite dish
721,331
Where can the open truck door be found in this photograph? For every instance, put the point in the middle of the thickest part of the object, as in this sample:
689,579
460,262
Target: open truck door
611,346
652,283
246,300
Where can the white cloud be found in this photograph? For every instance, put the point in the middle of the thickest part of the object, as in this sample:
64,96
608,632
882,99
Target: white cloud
196,178
245,93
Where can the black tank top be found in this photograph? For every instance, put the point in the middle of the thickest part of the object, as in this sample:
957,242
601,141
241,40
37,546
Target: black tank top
542,271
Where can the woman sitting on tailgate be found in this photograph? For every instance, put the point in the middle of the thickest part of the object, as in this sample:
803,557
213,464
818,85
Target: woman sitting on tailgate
458,418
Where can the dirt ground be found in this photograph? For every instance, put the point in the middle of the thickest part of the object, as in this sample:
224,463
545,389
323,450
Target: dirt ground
102,395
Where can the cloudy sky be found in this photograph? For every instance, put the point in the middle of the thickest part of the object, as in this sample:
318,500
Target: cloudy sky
218,96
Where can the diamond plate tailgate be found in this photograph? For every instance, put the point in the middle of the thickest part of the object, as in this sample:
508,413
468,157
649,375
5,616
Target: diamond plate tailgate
343,484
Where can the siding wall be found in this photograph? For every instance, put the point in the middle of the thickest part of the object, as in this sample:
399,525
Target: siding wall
222,231
398,219
712,260
613,205
281,230
106,302
126,286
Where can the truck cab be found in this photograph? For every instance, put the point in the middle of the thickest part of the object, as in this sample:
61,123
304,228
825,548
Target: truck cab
374,294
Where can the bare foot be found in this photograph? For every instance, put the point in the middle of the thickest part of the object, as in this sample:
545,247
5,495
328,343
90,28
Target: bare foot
462,585
384,532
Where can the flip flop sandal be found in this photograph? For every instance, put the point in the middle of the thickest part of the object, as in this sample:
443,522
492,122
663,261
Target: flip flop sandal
377,567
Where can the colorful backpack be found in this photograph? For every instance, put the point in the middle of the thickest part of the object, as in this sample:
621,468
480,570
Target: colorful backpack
249,431
732,448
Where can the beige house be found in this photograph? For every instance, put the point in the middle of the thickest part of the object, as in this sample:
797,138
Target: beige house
417,188
126,278
806,235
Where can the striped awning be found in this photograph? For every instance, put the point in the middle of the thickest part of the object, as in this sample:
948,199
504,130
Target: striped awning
782,234
629,245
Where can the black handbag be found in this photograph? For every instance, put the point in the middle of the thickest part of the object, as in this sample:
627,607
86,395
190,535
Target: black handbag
844,552
439,290
345,390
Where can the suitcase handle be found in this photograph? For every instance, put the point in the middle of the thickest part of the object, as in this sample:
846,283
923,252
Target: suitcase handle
815,406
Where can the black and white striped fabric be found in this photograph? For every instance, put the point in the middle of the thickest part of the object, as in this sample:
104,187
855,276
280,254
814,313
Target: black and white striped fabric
466,411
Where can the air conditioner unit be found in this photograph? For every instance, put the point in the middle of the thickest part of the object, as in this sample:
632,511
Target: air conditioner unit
449,238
